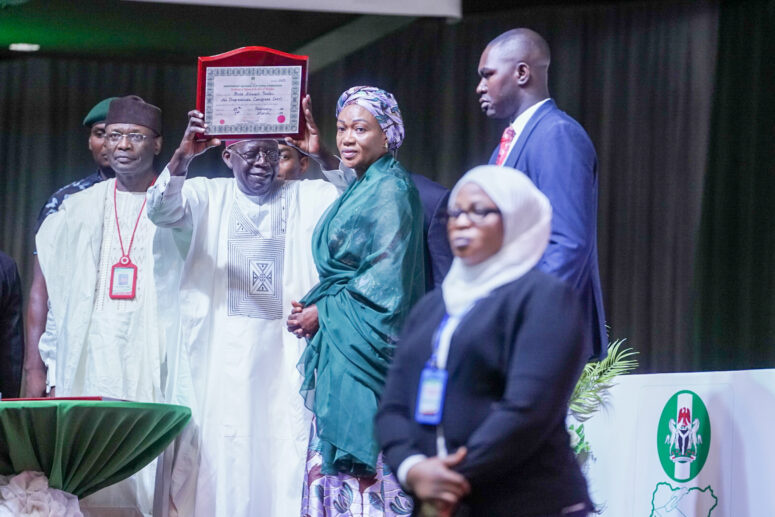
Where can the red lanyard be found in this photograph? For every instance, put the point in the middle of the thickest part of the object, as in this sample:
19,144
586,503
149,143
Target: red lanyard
125,256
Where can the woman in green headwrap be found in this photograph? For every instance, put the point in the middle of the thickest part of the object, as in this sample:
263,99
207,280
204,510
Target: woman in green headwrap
369,255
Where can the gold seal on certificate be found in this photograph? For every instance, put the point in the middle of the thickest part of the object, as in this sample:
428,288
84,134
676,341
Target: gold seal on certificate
252,92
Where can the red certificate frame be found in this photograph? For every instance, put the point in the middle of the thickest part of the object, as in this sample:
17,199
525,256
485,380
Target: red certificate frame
253,57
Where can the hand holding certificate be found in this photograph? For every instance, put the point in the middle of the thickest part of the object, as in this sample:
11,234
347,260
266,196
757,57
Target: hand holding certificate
252,92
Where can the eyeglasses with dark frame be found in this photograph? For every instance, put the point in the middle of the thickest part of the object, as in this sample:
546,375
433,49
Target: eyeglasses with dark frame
115,137
271,155
475,215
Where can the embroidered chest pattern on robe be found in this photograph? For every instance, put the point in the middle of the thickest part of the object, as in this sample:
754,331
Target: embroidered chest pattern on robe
255,261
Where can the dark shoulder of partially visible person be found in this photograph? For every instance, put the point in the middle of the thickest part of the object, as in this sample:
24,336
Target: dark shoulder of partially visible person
55,201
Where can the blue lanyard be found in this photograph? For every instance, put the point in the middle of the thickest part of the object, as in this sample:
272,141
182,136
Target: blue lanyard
433,361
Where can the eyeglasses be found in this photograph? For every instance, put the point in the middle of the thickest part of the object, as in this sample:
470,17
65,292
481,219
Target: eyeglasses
475,215
271,155
115,137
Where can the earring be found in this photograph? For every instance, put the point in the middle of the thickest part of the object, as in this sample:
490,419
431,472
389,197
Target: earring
386,146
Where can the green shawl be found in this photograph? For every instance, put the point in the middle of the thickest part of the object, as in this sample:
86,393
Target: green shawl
369,255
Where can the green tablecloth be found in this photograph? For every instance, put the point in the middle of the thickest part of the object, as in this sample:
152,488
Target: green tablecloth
83,446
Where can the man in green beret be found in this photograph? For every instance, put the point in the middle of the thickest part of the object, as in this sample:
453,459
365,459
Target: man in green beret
96,254
37,305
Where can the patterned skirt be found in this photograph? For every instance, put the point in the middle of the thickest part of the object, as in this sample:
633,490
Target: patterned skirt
326,495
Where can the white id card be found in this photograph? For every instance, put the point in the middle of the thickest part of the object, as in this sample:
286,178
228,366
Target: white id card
123,280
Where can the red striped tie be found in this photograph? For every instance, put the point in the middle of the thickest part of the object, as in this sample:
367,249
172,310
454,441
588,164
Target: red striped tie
503,150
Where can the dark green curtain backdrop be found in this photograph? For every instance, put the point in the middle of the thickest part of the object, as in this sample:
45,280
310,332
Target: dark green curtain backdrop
735,282
640,77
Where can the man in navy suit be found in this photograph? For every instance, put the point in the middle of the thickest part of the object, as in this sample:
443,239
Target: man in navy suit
555,152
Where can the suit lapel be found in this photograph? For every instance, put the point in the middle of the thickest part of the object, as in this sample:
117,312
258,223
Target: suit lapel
516,151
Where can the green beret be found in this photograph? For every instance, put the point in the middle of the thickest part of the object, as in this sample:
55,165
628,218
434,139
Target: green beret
98,112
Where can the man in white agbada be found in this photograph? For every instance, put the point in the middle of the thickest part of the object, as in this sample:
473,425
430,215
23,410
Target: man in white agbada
103,336
244,252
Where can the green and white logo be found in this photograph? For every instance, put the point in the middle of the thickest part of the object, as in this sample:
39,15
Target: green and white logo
683,436
667,501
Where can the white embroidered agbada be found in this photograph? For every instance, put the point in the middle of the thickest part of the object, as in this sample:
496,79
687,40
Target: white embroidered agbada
95,345
243,260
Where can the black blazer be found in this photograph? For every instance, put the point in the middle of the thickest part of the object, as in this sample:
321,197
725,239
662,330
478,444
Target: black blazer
438,255
11,329
513,363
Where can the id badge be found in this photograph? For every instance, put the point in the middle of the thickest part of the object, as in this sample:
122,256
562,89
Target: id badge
430,396
123,280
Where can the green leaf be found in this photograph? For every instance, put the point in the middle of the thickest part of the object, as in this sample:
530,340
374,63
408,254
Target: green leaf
597,378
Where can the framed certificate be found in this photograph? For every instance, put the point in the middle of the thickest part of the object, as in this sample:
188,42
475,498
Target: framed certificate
252,92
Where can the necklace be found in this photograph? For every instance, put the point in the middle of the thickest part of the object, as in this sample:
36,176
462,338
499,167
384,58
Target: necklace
123,274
